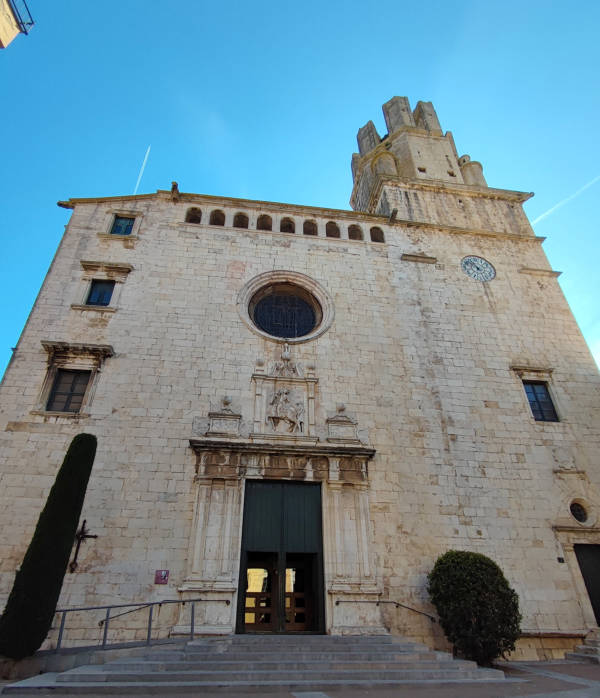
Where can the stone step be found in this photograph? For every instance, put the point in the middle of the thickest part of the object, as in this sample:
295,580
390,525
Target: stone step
298,655
288,665
240,663
89,675
36,686
222,665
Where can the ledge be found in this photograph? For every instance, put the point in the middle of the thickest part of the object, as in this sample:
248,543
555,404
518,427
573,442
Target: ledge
103,350
531,369
294,449
94,308
131,239
68,415
93,265
582,528
539,272
423,259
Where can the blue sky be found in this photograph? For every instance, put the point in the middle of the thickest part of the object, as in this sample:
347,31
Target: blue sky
263,100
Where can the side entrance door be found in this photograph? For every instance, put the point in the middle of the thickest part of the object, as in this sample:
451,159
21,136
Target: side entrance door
588,557
281,565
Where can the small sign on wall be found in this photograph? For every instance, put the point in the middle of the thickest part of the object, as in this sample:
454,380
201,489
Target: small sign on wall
161,577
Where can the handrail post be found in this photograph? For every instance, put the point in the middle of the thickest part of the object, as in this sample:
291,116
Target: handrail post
193,612
61,629
105,633
151,609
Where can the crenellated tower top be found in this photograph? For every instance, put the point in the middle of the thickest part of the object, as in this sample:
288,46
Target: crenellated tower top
414,149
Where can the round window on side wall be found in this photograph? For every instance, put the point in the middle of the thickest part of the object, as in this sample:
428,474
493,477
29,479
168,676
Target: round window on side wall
578,512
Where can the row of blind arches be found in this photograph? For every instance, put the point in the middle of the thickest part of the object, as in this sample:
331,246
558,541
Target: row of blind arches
287,225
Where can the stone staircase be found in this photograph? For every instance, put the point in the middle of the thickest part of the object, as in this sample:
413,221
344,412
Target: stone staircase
590,650
249,662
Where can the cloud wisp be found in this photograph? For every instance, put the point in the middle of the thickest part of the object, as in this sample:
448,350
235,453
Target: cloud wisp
565,201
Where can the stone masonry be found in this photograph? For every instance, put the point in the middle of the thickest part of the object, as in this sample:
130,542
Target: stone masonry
408,396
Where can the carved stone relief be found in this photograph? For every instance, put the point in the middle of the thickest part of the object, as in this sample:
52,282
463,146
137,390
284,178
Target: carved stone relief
284,401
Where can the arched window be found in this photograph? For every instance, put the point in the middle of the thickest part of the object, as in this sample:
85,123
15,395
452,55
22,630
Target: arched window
217,218
354,232
309,228
240,220
332,230
264,222
287,226
193,215
377,235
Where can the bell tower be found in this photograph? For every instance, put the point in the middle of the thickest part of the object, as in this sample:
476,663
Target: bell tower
414,151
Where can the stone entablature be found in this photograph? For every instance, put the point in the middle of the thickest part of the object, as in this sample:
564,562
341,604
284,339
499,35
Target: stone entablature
295,461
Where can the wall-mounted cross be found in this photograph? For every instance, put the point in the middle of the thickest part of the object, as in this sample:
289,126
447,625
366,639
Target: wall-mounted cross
80,536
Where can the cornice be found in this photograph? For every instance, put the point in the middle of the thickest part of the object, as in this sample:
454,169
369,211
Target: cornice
233,202
456,230
440,186
298,449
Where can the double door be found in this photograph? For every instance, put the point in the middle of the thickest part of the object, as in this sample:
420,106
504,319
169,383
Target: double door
281,570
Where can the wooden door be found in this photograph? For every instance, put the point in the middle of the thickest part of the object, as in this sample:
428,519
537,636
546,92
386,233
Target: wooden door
281,563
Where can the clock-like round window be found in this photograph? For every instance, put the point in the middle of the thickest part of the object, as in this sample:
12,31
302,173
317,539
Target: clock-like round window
285,310
478,268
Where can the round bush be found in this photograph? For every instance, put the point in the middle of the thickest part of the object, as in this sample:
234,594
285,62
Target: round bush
478,610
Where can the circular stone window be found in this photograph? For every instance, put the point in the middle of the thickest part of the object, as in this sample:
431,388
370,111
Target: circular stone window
285,306
285,311
579,512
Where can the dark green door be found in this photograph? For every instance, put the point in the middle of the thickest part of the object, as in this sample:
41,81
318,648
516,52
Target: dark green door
281,565
588,557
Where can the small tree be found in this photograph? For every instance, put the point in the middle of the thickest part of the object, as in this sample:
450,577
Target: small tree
32,601
478,610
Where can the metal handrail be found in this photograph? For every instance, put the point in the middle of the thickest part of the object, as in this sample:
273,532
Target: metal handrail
133,607
397,604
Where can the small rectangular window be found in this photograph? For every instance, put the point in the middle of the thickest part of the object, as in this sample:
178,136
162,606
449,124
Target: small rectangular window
68,390
100,292
540,401
122,225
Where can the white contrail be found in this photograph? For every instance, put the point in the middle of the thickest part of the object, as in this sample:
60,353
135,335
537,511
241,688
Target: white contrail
137,184
565,201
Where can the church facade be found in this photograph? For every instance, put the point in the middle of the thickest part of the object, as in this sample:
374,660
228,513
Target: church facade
298,409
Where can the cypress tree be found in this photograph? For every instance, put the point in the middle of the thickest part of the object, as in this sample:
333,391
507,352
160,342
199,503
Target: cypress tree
32,602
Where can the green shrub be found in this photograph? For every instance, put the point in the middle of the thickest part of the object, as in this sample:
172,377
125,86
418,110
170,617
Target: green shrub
478,610
32,601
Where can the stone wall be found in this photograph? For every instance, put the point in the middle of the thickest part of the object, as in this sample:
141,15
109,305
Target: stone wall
427,362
